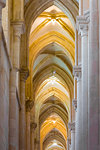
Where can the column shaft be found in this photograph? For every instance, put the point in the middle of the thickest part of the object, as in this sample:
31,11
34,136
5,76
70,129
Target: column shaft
28,142
84,34
78,116
85,5
68,144
22,114
22,117
29,105
14,113
78,122
82,23
14,105
33,126
32,140
73,140
80,7
93,94
76,47
71,127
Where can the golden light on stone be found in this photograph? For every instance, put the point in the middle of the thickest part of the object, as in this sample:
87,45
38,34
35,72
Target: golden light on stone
52,27
54,121
49,62
53,21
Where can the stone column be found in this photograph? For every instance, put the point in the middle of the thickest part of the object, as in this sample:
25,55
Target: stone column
71,127
22,115
85,5
74,102
37,144
80,7
83,22
29,105
94,79
68,143
78,103
14,97
33,127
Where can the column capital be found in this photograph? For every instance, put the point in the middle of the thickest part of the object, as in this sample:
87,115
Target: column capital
33,126
82,23
18,27
29,105
74,103
77,72
71,126
24,72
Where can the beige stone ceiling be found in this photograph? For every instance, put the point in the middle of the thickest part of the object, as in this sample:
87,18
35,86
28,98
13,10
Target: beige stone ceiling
50,84
54,145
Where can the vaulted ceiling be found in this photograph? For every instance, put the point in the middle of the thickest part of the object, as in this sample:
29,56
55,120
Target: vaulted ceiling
51,60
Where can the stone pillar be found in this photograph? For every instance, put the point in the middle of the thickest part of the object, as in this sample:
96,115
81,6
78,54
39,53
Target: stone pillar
85,5
80,7
76,47
14,95
68,143
29,105
74,102
78,122
37,143
83,22
33,127
22,115
71,127
94,79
